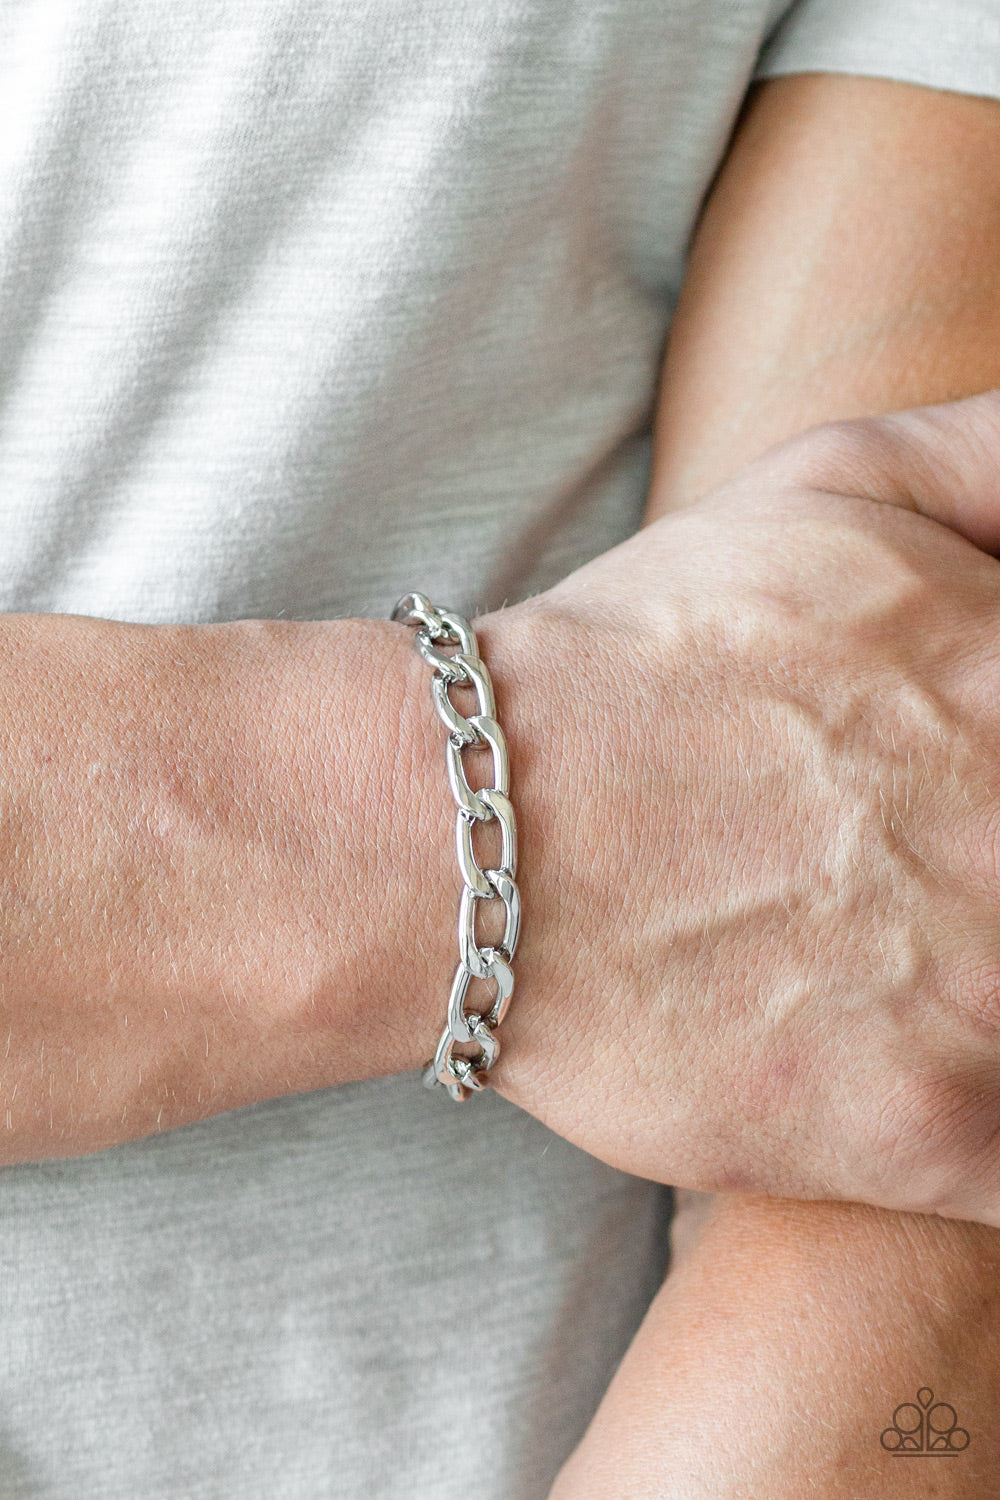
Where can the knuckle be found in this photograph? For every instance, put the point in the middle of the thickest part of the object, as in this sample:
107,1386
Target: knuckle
938,1125
848,457
978,989
956,431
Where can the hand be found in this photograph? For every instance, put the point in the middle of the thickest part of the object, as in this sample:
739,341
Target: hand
757,752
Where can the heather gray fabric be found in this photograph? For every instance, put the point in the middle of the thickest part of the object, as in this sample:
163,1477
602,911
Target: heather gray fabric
303,304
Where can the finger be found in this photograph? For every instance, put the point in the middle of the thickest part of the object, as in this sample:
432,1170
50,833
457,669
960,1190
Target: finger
942,461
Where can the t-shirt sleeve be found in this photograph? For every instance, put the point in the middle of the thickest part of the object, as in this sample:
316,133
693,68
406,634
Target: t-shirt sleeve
946,44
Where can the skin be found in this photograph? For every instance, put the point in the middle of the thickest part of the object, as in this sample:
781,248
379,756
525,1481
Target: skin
787,984
180,933
846,264
775,1384
222,826
214,852
230,770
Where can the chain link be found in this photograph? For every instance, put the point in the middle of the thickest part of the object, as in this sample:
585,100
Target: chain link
490,965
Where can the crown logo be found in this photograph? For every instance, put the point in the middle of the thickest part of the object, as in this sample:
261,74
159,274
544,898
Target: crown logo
924,1429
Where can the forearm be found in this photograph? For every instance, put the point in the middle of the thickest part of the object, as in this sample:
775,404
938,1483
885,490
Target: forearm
846,264
226,866
776,1354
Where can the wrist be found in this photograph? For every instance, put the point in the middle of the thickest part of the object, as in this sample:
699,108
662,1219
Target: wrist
524,647
488,910
381,850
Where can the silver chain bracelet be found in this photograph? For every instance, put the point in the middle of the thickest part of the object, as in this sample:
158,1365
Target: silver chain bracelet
460,1075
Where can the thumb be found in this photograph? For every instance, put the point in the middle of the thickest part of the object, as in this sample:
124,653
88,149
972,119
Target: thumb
943,461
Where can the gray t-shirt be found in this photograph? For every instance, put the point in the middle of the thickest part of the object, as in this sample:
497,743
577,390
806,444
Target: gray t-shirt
304,304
